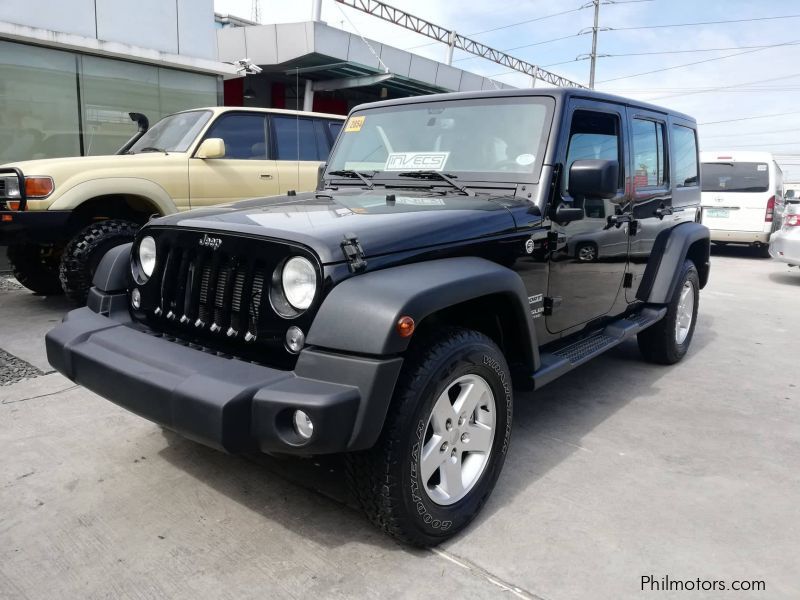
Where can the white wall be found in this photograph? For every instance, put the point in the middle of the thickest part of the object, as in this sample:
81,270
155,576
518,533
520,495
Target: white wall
176,26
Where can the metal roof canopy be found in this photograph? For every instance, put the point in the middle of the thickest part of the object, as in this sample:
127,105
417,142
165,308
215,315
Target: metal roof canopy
317,53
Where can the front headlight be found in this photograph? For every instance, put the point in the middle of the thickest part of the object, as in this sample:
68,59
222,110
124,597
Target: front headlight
299,279
147,255
11,187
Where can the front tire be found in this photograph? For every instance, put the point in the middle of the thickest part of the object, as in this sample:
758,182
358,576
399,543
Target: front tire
83,253
667,341
36,267
444,441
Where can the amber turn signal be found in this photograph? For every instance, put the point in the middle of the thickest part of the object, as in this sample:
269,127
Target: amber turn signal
12,204
405,326
38,187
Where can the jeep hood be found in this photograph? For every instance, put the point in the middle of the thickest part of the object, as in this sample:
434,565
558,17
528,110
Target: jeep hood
415,219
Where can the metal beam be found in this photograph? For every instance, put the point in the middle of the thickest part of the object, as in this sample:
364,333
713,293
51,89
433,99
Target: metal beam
328,85
453,39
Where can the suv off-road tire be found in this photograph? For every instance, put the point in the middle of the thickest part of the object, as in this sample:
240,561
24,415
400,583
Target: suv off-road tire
84,252
386,480
36,267
658,343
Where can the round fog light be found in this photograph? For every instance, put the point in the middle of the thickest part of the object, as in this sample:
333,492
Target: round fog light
303,425
295,339
136,298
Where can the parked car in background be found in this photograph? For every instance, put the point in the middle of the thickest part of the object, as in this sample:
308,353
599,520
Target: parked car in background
59,216
784,245
742,197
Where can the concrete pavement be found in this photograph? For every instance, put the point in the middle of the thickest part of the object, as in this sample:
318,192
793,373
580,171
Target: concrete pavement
618,471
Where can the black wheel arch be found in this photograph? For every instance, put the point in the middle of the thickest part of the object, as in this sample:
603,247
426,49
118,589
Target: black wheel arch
360,314
670,249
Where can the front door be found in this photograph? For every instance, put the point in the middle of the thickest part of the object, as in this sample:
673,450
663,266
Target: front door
244,171
587,266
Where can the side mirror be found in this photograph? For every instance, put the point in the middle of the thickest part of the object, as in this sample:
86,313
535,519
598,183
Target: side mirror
211,148
595,178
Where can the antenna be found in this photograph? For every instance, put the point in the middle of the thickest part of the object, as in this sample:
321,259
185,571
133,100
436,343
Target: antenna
255,11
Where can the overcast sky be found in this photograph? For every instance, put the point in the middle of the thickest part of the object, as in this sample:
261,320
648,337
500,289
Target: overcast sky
752,82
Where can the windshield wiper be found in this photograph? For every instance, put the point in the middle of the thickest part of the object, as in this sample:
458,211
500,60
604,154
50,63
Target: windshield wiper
353,174
152,149
437,175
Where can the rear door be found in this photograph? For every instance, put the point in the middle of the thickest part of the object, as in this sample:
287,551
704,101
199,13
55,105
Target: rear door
299,145
244,171
736,195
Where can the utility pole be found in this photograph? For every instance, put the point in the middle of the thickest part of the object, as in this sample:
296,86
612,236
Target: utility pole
594,42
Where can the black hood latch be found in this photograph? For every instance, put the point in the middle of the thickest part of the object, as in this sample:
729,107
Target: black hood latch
353,253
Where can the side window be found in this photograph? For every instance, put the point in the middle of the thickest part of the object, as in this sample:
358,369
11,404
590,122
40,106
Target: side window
648,153
594,135
244,136
323,144
295,138
335,127
684,145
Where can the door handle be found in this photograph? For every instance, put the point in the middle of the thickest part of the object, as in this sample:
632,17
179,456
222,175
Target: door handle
663,211
265,176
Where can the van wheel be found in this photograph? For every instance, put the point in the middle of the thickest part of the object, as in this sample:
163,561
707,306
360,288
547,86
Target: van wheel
763,251
443,443
84,251
667,341
36,267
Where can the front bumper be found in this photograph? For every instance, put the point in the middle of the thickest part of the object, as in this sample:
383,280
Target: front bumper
220,401
739,237
40,226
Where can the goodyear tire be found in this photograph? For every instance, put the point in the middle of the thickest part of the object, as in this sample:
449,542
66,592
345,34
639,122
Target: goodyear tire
83,253
667,341
444,441
36,267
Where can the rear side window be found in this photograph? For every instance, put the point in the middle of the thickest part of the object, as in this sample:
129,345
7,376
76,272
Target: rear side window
295,139
684,154
244,136
335,127
735,177
594,135
648,153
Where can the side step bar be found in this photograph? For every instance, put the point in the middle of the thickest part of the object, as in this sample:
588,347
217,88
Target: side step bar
566,358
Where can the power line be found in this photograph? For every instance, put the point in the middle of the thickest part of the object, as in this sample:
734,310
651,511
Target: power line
702,23
698,62
719,135
733,85
794,112
525,46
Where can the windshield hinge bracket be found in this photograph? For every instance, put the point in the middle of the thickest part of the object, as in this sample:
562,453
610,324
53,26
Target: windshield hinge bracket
353,253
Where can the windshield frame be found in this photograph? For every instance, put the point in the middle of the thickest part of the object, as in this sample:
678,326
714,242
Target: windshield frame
462,177
209,114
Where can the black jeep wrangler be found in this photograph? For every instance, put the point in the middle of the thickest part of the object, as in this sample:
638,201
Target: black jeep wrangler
459,246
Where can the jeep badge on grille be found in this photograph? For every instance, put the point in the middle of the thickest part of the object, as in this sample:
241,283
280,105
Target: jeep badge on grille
210,242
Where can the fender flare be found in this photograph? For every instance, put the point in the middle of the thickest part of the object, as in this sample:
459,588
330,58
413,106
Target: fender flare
360,314
134,186
670,249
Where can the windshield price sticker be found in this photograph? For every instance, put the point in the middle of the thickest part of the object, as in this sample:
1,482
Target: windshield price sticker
354,124
416,161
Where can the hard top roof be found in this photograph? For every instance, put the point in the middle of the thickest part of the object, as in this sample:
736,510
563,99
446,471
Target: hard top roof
560,94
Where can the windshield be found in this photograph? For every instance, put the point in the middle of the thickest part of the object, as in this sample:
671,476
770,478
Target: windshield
735,177
173,133
503,138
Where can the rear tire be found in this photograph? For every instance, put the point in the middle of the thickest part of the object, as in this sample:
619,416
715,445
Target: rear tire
667,341
422,487
36,267
84,252
763,251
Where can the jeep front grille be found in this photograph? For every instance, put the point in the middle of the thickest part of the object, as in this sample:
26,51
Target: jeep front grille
218,297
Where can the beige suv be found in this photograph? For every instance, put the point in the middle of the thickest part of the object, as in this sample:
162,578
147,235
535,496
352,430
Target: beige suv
59,216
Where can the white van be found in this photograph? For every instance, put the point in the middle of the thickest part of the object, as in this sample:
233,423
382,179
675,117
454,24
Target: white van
742,197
